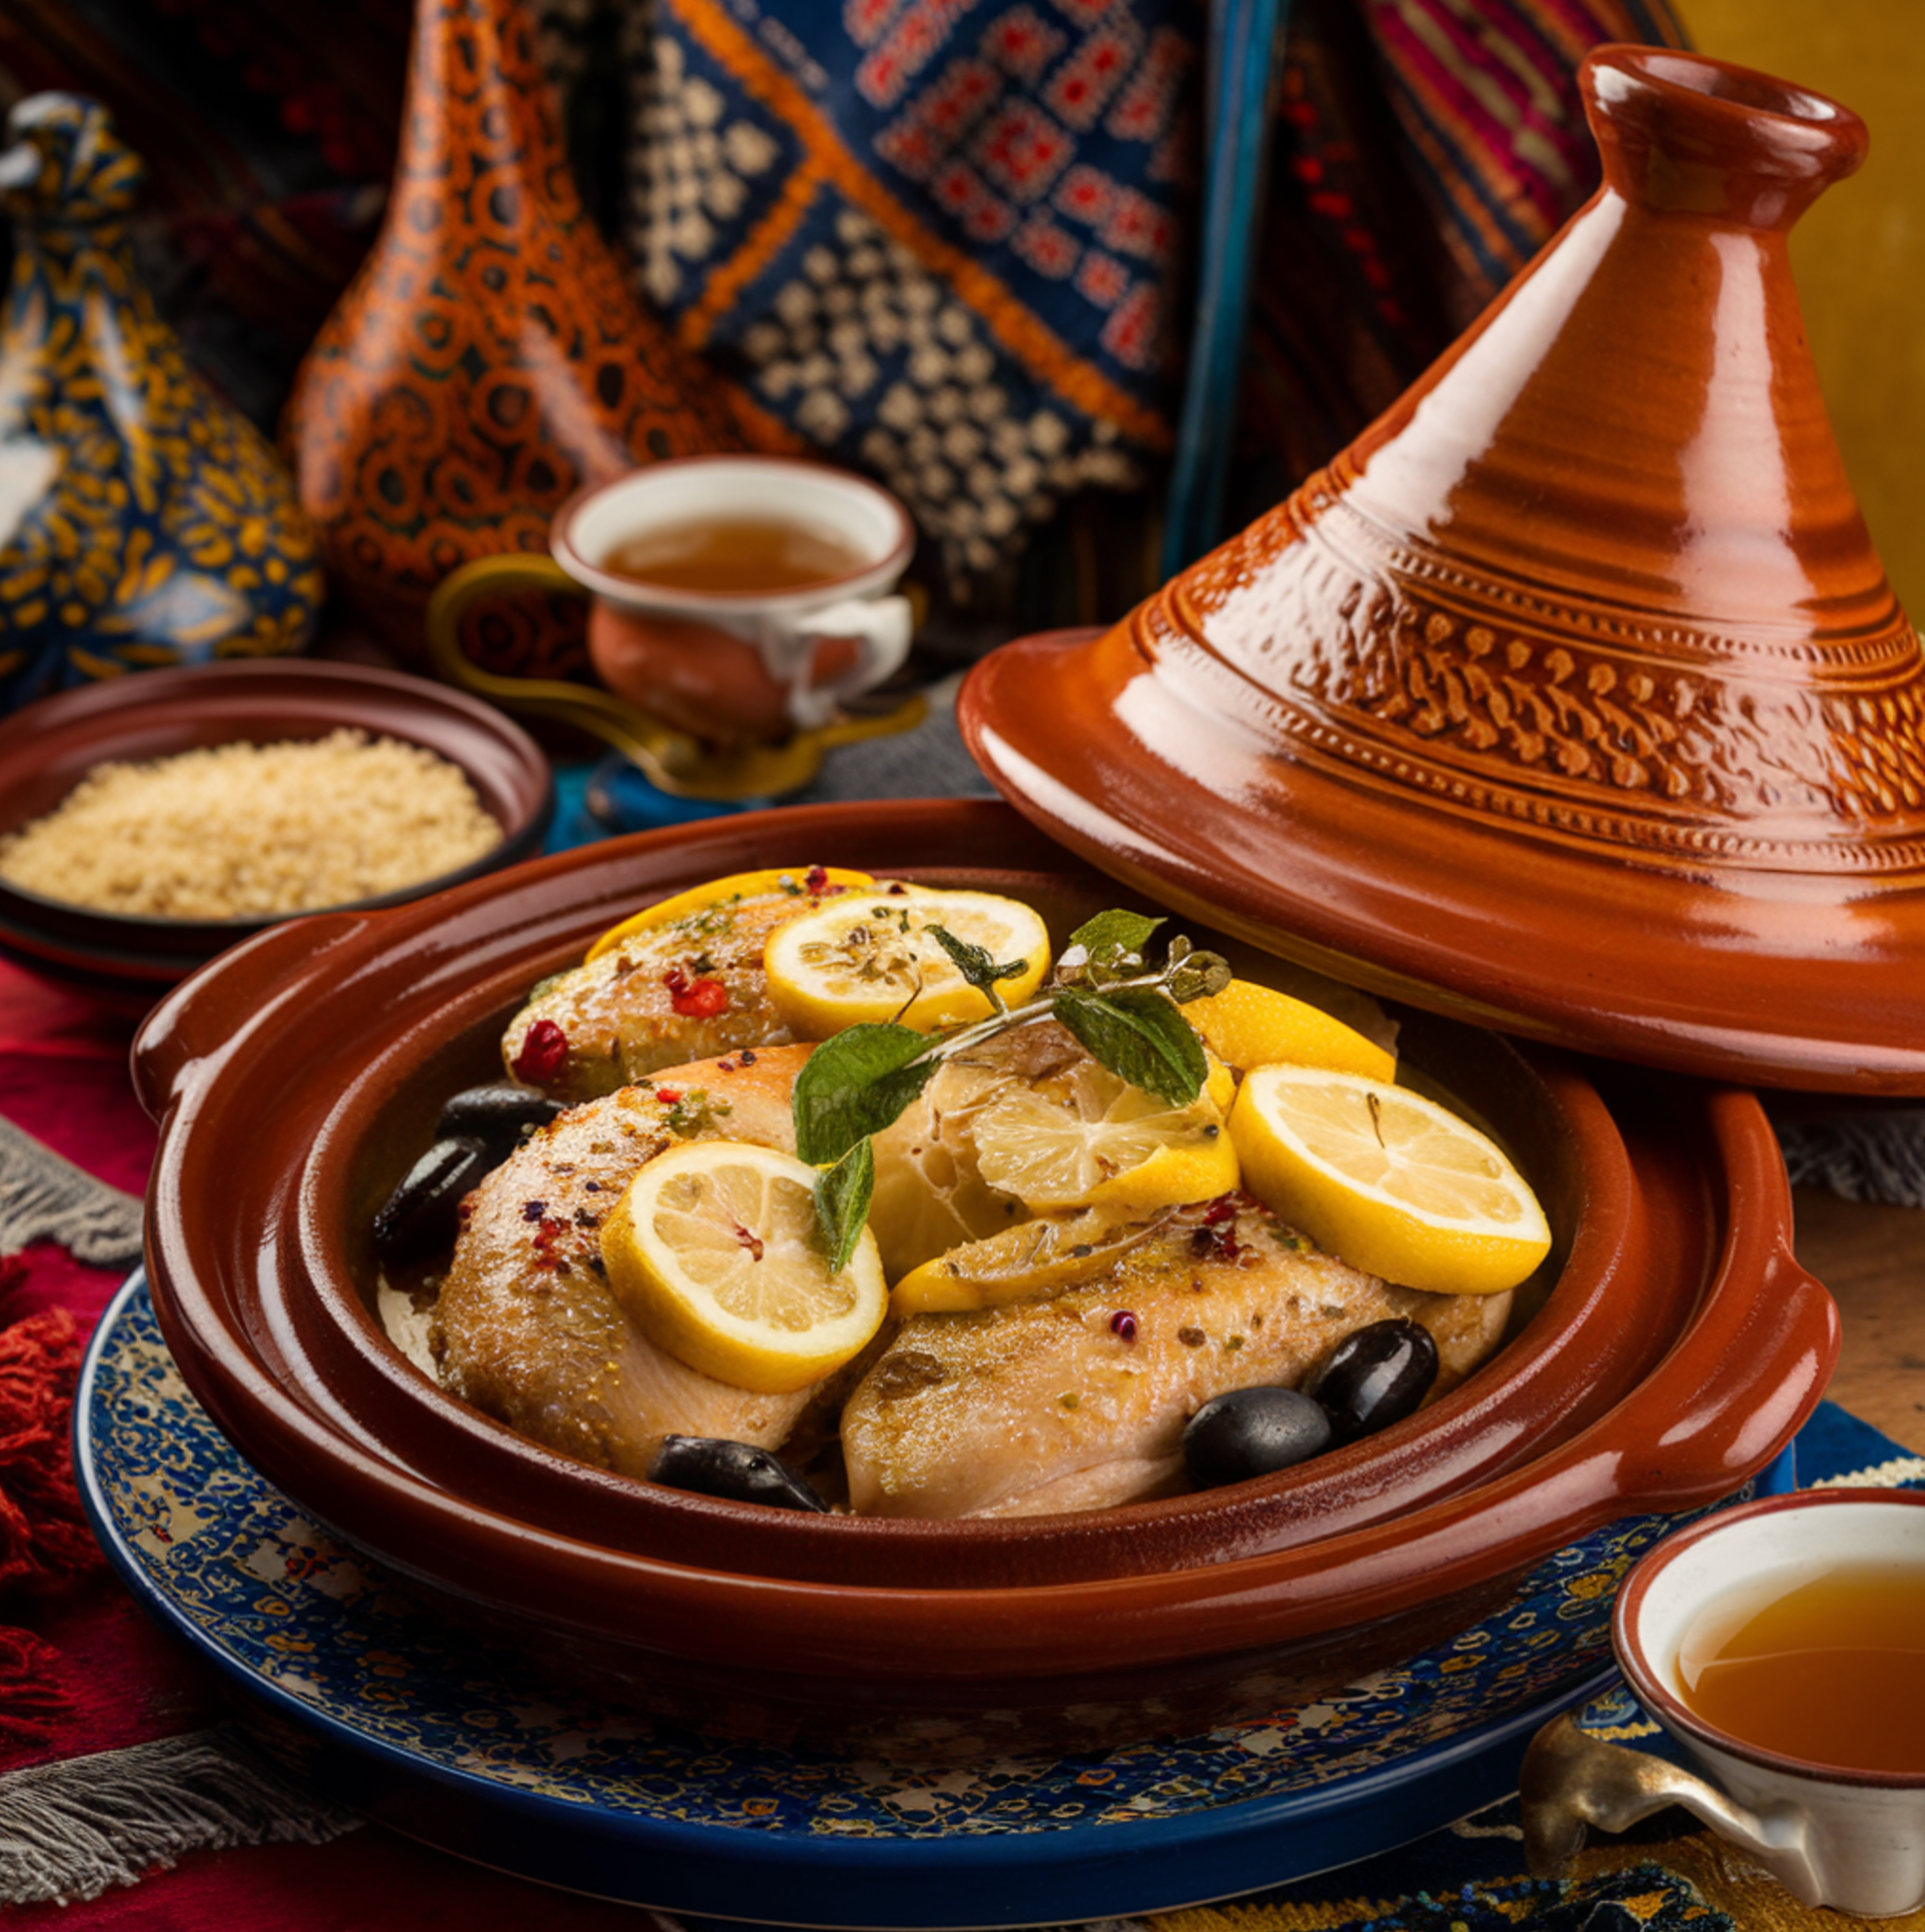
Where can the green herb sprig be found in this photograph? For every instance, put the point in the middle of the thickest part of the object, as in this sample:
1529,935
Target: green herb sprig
1104,991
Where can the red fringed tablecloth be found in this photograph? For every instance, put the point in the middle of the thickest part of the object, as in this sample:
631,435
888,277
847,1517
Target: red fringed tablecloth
87,1683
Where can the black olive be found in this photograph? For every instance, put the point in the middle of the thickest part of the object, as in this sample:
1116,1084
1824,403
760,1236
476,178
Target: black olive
419,1215
496,1115
739,1472
1375,1376
1252,1431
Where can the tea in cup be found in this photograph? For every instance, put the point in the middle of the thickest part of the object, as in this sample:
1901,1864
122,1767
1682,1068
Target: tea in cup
741,597
1781,1644
740,600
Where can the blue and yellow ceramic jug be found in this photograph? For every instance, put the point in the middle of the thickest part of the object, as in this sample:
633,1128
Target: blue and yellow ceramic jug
141,520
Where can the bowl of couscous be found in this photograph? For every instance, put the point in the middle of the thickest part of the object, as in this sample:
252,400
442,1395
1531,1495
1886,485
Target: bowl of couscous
149,823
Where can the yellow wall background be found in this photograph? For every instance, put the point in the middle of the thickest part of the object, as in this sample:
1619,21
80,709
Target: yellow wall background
1859,252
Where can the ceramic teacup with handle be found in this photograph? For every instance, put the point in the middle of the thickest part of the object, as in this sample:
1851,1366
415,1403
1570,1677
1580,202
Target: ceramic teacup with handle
737,604
1848,1835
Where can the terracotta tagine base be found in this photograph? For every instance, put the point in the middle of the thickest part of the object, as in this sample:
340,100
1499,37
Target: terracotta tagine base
1571,698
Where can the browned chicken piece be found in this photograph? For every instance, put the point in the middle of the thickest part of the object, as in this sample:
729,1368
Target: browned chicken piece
527,1329
1053,1403
684,991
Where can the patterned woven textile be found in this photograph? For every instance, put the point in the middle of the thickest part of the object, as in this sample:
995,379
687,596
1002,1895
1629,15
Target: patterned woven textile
938,241
268,135
943,241
1425,151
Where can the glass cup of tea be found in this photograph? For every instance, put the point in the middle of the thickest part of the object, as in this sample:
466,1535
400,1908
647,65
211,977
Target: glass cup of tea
737,602
1782,1645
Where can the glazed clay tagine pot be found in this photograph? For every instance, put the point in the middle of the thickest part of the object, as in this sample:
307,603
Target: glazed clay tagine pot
1571,698
1673,1346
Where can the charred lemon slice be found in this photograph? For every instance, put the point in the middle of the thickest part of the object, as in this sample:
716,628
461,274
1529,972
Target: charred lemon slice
1023,1263
873,956
804,883
714,1253
1396,1184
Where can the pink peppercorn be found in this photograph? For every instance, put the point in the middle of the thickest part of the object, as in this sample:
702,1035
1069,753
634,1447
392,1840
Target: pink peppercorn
695,999
1123,1324
545,1054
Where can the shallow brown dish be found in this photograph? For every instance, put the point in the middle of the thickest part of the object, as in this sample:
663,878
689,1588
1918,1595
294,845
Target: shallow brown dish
48,747
1676,1351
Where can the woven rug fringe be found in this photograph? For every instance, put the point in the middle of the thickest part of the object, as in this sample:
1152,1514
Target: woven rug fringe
74,1829
44,1539
45,1198
1874,1158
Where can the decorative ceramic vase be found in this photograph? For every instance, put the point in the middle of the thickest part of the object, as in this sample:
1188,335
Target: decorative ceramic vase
489,359
1573,695
141,520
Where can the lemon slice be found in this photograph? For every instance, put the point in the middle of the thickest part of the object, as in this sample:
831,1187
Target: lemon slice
1389,1181
871,957
1248,1025
799,881
714,1251
1022,1264
1090,1139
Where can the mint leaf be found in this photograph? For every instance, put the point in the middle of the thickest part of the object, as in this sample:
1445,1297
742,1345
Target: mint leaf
1139,1036
842,1202
854,1085
976,963
1128,932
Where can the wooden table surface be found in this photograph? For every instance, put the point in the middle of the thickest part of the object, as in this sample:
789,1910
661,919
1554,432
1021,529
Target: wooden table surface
1873,1261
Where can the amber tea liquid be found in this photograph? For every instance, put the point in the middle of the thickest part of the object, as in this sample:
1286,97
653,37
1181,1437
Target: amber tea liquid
1833,1670
742,555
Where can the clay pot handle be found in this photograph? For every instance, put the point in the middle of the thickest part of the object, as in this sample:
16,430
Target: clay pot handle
191,1025
1729,1386
1570,1780
1683,134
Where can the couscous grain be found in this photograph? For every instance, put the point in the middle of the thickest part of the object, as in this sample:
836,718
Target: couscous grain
239,830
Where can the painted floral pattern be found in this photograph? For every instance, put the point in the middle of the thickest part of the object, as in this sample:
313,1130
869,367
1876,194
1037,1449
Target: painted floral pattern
142,522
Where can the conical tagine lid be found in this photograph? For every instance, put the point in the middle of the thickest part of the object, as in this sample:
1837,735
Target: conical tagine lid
1571,698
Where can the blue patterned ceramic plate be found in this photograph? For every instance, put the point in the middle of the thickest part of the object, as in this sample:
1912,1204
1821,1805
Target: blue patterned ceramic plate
383,1707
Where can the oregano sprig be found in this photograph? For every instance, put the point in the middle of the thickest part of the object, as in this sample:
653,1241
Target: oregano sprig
1104,991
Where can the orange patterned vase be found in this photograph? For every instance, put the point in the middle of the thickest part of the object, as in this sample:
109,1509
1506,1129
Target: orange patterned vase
141,520
489,359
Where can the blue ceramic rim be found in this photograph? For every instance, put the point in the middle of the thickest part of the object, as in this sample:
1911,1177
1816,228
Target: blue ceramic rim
1089,1870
